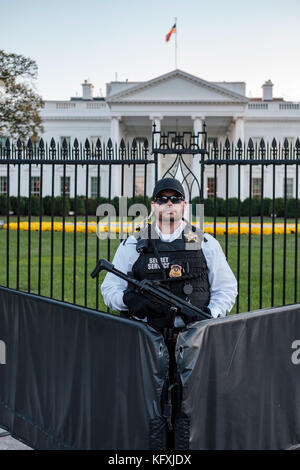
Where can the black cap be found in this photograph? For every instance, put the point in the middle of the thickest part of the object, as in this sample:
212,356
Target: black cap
168,183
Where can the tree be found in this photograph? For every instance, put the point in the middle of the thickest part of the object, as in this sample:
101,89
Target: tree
19,103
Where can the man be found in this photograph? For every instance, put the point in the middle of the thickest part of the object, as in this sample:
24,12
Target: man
177,255
192,265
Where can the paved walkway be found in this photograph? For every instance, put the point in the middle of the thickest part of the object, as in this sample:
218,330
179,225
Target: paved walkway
8,443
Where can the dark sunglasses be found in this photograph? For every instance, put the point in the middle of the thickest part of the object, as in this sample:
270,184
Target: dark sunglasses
164,199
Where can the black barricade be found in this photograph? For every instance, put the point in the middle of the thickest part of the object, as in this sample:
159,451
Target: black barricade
78,379
241,381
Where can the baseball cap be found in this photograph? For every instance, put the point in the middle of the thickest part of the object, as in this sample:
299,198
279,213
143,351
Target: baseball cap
168,183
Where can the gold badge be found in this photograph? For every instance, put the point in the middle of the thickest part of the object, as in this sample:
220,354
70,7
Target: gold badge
191,236
175,270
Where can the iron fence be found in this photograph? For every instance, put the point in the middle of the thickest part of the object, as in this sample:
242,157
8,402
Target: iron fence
243,186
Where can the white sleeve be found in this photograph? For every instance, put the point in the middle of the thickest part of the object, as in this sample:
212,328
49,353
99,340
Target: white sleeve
112,288
223,284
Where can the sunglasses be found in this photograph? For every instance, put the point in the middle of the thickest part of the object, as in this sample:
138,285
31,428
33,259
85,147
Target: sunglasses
164,199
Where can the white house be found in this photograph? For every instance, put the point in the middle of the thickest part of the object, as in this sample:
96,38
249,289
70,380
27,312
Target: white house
176,101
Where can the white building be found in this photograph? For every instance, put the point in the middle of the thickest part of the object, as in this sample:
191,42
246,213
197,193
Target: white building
176,101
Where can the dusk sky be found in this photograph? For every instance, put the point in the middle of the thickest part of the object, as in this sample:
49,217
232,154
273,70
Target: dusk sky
72,40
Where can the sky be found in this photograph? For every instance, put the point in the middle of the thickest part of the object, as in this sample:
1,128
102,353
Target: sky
218,40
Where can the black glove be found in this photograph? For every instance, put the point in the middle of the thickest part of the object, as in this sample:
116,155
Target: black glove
141,307
191,319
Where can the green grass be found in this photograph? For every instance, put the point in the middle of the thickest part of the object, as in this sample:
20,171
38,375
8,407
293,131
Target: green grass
86,291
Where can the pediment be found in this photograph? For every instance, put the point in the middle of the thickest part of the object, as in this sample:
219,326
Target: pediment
177,87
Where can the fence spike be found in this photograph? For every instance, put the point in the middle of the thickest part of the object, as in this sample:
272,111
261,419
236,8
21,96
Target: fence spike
239,144
98,144
75,144
274,143
41,144
109,143
297,144
29,144
286,143
87,144
52,144
227,143
122,144
250,144
262,144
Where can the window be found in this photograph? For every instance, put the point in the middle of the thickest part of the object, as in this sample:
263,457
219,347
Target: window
65,186
3,185
35,186
95,183
210,188
256,187
289,187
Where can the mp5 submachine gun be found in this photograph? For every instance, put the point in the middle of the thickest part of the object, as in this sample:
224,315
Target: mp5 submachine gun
154,292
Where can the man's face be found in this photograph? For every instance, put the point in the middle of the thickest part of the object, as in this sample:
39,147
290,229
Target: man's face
168,212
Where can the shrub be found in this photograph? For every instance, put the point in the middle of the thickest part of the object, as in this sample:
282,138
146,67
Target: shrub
279,207
3,205
255,206
59,208
233,206
35,205
47,200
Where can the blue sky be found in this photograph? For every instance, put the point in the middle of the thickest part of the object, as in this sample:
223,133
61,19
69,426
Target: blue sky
218,40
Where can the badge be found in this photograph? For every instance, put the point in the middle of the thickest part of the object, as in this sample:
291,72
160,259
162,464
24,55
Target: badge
191,236
175,270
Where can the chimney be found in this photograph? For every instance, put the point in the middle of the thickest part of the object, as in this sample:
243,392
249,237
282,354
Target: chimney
87,90
267,91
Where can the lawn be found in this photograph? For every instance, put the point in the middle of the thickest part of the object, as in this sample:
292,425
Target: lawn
72,283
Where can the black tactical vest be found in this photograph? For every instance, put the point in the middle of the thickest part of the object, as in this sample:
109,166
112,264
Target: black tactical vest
182,266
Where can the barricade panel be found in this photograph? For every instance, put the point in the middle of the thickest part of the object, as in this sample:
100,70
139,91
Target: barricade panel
241,381
78,379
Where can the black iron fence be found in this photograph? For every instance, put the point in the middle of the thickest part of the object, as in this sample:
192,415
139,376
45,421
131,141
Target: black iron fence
49,195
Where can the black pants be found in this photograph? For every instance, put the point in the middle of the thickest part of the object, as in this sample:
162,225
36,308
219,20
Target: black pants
172,391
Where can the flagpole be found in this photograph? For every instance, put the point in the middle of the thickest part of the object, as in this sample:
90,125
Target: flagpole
176,44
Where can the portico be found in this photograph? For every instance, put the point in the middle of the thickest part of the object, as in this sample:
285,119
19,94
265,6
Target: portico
178,102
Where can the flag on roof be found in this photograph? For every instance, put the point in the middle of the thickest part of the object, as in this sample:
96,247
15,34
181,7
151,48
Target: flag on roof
172,30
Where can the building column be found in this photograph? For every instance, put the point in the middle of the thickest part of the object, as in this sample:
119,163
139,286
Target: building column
195,163
157,121
116,169
238,132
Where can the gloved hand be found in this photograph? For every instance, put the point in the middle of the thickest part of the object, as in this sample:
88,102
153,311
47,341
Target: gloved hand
141,307
190,319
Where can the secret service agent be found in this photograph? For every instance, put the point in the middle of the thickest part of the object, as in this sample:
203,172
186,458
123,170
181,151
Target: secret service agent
183,259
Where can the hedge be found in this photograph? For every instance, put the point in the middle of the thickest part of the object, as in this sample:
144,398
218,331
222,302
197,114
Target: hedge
81,206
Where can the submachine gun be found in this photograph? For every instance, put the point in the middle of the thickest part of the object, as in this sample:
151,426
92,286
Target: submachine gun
153,291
